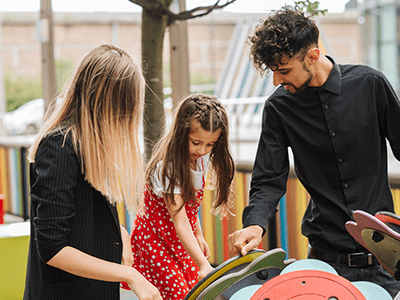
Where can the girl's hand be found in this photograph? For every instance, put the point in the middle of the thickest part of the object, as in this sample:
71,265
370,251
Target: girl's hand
203,246
127,255
204,270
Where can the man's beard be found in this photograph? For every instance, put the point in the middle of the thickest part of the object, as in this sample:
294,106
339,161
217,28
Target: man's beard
302,87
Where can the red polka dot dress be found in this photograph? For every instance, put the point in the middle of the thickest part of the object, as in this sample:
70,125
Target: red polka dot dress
157,251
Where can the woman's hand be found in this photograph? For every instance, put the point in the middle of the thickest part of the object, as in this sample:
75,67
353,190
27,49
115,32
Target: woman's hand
127,255
82,264
143,289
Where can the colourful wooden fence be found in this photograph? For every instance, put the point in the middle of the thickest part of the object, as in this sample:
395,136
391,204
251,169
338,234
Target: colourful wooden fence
283,231
14,180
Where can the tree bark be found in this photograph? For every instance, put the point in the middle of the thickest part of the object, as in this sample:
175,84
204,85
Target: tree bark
156,17
153,30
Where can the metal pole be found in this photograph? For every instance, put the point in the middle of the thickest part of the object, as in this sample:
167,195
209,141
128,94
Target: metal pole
180,75
45,34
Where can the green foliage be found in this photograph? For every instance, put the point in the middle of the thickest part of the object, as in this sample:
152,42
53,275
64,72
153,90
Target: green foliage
64,71
311,7
197,78
200,78
20,89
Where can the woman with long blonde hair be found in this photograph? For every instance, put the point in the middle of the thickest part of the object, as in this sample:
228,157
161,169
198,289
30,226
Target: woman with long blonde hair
85,159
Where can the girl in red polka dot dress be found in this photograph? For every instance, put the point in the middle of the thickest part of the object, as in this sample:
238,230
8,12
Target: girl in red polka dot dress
167,241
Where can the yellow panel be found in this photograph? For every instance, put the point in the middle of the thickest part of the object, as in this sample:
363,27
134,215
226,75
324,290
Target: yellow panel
240,199
301,202
14,254
122,213
207,223
396,200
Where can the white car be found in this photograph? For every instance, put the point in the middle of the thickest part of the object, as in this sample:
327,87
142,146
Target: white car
26,119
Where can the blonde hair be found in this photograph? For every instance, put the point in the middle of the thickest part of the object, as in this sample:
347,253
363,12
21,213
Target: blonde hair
101,108
173,150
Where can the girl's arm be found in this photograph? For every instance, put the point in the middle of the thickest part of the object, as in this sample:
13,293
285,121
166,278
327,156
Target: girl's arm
76,262
186,236
201,241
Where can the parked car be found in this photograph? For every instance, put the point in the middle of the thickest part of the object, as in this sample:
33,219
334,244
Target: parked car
26,119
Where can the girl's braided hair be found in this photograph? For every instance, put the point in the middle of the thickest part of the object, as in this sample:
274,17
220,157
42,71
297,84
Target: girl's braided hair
173,150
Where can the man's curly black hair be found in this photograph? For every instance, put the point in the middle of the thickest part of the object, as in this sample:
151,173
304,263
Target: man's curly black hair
286,33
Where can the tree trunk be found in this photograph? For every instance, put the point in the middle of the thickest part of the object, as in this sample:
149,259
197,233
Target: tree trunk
153,30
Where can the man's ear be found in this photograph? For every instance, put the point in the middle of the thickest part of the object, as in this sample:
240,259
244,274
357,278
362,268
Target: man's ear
313,55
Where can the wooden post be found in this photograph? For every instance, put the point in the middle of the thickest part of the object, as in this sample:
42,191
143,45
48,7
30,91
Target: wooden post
180,75
45,35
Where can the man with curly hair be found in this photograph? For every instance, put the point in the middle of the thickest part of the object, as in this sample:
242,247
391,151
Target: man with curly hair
337,120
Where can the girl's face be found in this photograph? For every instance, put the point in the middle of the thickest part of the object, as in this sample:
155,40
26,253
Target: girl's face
201,141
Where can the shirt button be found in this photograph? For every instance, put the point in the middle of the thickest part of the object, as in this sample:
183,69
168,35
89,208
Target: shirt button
340,159
333,133
345,185
326,106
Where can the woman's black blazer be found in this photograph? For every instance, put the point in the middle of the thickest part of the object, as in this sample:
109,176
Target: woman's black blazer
67,211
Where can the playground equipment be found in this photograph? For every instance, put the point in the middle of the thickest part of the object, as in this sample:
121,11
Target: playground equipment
261,275
380,234
238,273
311,279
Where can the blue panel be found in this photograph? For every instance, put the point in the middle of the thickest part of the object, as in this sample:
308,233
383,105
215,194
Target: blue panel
284,223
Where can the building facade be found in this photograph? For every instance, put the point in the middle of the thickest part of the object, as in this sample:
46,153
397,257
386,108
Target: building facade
380,23
209,38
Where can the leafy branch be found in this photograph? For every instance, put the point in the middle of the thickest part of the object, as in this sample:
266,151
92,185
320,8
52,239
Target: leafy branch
311,7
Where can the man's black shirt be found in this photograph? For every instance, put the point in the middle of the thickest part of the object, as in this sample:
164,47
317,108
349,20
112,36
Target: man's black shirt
338,135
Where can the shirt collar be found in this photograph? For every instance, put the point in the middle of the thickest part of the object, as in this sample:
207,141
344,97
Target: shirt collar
333,83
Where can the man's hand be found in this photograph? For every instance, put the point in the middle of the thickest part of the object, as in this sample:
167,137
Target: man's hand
242,241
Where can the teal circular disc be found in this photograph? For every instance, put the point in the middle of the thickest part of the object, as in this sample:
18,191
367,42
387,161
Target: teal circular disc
309,264
372,291
245,293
